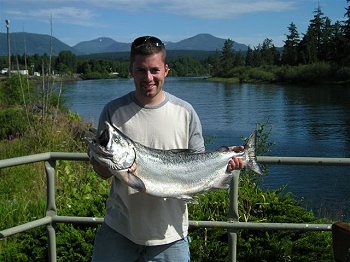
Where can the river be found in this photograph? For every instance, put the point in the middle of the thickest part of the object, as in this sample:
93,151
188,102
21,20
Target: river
304,121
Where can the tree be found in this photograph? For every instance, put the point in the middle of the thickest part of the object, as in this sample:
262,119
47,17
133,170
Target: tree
269,54
66,62
325,52
347,22
310,46
249,59
227,58
290,48
346,40
337,44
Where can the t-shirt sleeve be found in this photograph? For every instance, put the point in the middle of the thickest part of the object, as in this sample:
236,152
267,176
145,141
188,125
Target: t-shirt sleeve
196,136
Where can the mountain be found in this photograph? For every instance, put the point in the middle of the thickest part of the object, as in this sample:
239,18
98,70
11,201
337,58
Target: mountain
101,45
31,44
40,44
200,42
204,42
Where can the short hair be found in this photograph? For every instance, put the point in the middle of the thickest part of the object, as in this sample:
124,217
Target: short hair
147,45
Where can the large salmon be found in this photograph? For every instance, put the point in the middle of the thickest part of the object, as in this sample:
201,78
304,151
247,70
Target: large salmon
167,173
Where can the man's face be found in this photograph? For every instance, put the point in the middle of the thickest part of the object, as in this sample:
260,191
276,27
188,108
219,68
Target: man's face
149,74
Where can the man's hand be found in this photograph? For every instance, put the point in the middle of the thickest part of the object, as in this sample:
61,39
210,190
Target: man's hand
235,162
132,168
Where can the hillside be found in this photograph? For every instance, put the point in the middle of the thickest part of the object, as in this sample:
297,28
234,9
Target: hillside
204,42
31,44
101,45
40,44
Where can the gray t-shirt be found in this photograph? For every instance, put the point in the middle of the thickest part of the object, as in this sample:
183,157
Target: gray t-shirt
173,124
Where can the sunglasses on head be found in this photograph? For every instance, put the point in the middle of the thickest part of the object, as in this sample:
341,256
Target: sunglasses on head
141,41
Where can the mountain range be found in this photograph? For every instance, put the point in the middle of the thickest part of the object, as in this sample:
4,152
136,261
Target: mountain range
30,43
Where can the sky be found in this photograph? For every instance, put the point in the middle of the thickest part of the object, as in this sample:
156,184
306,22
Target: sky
247,22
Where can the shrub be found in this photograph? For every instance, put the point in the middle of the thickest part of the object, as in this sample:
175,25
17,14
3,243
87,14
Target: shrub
79,193
343,74
13,123
260,74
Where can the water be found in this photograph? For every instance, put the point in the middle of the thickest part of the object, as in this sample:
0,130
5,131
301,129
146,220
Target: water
305,121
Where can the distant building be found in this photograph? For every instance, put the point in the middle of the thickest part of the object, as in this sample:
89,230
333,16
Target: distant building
21,72
4,71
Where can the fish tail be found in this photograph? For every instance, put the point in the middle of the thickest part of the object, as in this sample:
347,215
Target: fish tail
250,148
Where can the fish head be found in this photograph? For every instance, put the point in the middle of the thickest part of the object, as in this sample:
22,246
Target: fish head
112,148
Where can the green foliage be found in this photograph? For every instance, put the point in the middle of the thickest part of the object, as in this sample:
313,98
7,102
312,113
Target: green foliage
79,193
15,183
13,122
313,73
14,91
257,205
207,243
82,195
259,74
187,66
98,68
66,62
343,74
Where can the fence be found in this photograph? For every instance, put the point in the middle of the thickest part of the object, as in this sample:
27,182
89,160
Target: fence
233,226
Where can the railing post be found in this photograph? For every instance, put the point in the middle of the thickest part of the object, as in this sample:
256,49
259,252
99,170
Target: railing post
51,207
233,215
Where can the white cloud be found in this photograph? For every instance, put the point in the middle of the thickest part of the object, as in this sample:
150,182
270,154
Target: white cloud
64,14
71,15
223,9
219,9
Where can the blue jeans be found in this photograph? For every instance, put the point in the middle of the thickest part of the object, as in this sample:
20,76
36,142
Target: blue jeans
111,246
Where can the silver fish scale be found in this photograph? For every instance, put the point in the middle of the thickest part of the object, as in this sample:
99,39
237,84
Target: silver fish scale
166,173
170,173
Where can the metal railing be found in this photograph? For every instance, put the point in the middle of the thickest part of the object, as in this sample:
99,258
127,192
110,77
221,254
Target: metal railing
233,226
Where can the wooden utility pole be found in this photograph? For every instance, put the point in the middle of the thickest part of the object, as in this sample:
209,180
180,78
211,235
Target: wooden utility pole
8,48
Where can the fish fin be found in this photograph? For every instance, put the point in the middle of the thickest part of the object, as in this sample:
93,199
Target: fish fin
188,199
130,179
250,148
135,182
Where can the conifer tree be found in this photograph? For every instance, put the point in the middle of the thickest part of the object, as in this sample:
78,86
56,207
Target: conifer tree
346,30
290,48
227,58
310,46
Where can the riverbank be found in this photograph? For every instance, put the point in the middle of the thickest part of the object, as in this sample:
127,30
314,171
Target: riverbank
311,74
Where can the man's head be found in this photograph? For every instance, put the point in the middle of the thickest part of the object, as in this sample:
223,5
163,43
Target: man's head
148,68
147,45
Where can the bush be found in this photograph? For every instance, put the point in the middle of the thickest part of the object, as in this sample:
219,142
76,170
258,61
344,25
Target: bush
312,73
260,74
13,123
15,91
79,193
343,74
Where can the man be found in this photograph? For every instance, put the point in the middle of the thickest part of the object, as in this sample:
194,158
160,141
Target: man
137,226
